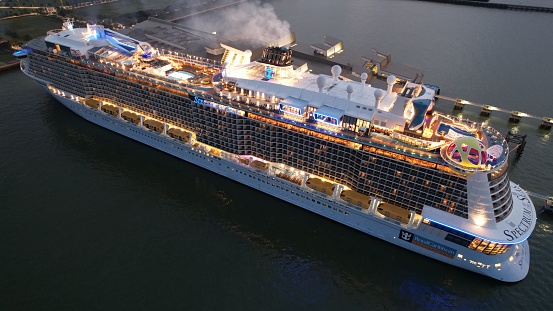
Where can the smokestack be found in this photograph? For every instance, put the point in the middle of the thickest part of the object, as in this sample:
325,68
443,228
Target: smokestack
391,80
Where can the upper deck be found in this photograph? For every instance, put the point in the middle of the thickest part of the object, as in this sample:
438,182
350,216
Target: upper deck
402,122
399,120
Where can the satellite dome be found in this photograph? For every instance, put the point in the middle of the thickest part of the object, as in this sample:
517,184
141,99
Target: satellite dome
336,70
467,152
321,81
364,76
379,94
391,79
248,53
349,89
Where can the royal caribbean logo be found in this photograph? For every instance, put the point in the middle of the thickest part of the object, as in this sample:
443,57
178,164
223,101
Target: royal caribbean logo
406,236
427,244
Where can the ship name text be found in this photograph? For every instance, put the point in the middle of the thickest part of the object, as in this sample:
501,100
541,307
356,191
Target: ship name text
523,226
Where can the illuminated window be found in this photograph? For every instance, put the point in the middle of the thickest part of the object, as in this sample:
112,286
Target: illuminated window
475,243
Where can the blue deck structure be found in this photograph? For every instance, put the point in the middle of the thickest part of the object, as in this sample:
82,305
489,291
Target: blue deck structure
421,107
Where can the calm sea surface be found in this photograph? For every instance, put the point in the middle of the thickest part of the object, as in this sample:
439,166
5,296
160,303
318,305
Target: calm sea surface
92,220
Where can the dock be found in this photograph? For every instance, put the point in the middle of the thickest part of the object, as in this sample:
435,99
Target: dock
547,201
486,110
9,65
491,5
536,195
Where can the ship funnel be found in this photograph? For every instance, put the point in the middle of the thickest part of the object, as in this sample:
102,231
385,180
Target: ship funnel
321,81
391,80
349,90
276,56
336,70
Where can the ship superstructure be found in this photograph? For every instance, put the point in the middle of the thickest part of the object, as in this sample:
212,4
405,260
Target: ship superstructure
380,161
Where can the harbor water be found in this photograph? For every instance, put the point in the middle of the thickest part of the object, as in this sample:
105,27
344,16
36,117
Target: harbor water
90,220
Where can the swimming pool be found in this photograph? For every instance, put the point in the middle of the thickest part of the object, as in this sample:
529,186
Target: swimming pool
452,131
181,75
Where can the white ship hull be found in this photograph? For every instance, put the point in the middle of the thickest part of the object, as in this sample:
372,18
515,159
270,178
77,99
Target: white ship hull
511,266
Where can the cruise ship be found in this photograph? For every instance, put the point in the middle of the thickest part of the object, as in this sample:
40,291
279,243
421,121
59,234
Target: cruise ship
380,160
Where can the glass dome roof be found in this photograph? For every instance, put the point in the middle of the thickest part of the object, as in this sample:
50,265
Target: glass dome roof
467,152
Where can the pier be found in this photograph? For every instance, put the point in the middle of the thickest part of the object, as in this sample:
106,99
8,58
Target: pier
502,6
486,110
537,195
9,65
547,201
518,140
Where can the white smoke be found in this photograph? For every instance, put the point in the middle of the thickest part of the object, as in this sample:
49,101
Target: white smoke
252,22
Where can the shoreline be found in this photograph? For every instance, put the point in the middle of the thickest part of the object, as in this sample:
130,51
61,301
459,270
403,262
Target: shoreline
493,5
204,11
